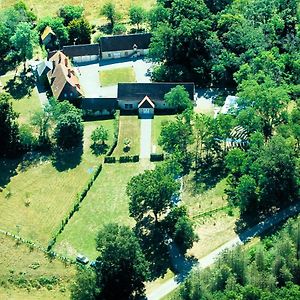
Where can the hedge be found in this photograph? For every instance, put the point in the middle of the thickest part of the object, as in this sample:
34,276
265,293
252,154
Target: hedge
156,157
109,159
129,158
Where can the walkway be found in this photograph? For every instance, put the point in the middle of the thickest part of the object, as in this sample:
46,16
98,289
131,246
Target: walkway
208,260
146,128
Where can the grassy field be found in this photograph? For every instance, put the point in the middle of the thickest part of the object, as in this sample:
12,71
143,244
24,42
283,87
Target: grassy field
156,129
19,262
106,202
114,76
37,198
92,8
129,128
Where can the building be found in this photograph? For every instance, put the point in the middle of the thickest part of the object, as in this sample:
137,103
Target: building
119,46
98,106
83,53
146,97
62,78
48,37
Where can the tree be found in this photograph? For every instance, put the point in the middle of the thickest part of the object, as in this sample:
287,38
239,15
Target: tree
85,288
137,15
217,5
23,41
109,11
158,14
121,266
79,31
151,192
41,119
68,132
119,29
70,13
9,131
100,135
178,99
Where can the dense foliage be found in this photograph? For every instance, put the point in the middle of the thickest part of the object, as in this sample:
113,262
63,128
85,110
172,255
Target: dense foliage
270,270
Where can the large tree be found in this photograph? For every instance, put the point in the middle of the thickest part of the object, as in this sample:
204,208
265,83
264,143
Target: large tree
79,31
70,13
137,15
9,131
121,267
109,11
151,192
178,98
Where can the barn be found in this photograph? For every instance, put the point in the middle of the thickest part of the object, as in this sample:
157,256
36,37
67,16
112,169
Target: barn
83,53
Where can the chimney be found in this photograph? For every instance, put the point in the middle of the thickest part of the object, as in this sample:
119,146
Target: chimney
66,62
59,57
53,65
69,73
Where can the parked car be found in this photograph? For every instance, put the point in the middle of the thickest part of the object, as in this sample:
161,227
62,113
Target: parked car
82,259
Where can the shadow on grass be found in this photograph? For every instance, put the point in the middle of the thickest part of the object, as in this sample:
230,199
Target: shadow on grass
99,149
106,28
63,160
208,173
20,86
8,169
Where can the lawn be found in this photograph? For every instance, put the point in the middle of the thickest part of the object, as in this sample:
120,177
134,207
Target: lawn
19,261
129,129
37,197
156,129
105,202
114,76
92,8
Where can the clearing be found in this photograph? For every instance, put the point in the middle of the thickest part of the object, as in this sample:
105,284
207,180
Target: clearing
114,76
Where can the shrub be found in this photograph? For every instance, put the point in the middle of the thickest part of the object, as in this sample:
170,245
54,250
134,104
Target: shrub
128,158
109,159
156,157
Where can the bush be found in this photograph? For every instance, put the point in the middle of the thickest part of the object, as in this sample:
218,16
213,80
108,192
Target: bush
109,159
128,158
156,157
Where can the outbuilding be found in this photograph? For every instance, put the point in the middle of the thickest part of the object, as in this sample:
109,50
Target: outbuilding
83,53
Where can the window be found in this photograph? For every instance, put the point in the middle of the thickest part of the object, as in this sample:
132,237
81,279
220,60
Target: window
109,55
71,94
65,95
126,53
128,106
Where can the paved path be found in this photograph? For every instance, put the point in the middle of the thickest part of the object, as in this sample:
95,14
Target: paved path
146,128
42,96
208,260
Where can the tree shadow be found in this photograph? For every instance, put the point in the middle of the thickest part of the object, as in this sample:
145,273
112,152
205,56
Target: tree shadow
33,159
21,85
98,149
207,174
106,28
63,160
8,169
155,247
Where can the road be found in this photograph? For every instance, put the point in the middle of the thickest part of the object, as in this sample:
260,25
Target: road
208,260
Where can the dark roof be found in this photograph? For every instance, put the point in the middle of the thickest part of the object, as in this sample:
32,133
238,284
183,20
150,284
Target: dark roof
125,42
155,91
99,103
81,50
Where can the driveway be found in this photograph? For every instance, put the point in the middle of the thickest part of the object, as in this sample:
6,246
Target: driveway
208,260
146,127
88,75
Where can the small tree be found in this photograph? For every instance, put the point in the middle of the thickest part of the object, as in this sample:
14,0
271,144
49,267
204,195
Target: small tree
119,29
178,98
109,11
127,144
70,13
99,135
80,31
137,15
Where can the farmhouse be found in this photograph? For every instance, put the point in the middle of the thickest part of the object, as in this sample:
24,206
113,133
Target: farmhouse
62,78
145,97
119,46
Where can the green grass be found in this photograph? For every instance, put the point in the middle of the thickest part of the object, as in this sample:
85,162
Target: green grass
41,196
105,202
156,129
17,259
92,8
129,128
114,76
